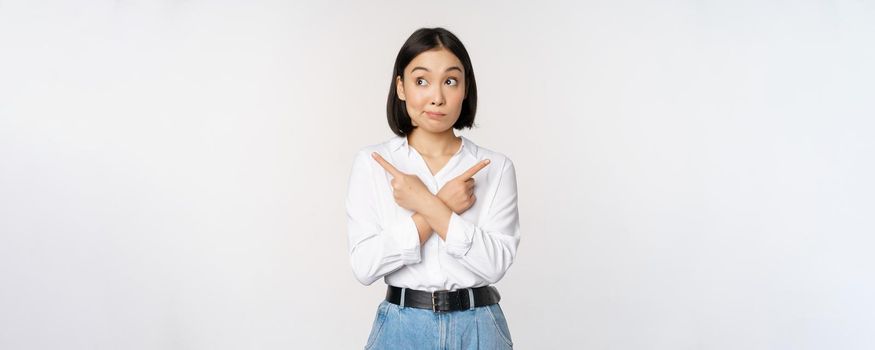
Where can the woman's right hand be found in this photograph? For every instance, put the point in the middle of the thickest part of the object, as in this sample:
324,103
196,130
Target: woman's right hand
458,193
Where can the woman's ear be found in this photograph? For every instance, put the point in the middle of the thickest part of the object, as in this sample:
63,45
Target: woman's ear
399,88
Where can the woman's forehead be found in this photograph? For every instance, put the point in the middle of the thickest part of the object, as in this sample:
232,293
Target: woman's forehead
435,60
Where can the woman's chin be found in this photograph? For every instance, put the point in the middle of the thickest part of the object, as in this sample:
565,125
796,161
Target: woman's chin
435,129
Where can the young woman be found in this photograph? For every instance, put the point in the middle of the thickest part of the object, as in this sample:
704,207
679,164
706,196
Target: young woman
432,213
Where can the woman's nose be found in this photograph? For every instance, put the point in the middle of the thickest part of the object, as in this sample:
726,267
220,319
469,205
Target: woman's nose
438,98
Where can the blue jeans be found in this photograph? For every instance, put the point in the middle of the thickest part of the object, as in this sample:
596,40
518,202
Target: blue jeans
482,327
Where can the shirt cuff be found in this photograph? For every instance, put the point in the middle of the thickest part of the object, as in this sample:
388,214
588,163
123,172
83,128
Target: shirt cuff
460,236
405,238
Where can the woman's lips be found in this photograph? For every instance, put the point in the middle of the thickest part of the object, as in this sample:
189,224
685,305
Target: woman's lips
435,114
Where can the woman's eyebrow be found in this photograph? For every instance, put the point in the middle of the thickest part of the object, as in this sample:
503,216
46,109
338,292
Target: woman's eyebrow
426,69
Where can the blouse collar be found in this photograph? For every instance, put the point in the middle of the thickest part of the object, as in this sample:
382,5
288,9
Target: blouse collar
400,142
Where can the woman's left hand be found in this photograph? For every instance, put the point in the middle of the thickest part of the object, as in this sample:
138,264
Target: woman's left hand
410,193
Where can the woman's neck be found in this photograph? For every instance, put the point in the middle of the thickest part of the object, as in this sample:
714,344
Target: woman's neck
434,145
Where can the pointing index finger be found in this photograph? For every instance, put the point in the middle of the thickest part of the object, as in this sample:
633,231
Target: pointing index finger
386,165
474,169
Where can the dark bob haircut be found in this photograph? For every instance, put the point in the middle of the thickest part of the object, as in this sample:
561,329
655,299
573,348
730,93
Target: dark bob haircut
422,40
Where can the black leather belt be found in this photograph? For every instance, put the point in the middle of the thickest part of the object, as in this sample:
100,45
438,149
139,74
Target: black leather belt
444,300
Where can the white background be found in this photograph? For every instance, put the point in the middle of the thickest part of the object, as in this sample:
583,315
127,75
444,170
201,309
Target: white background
692,174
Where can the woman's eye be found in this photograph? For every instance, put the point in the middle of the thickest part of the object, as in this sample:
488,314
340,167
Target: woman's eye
421,80
452,82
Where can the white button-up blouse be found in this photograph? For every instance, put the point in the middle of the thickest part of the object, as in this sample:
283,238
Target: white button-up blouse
383,240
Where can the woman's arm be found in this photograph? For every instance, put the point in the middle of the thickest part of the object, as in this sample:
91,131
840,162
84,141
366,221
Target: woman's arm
374,250
423,227
489,249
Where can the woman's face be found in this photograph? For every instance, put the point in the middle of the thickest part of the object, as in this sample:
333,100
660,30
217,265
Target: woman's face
433,89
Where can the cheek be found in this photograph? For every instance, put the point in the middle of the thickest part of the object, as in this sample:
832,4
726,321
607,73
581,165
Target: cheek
414,98
457,97
414,103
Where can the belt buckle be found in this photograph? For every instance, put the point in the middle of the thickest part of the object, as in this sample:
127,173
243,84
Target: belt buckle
433,302
434,298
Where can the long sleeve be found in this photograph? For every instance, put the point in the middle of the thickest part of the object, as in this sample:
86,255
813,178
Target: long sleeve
489,249
375,250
